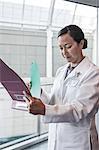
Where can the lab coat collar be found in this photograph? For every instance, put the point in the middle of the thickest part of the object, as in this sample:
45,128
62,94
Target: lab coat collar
80,68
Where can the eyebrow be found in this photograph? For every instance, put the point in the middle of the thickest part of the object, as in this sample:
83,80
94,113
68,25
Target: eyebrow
66,44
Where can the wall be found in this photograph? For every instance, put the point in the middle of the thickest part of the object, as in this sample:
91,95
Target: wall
20,48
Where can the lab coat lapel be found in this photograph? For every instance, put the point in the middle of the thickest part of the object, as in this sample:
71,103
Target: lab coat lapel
80,69
74,77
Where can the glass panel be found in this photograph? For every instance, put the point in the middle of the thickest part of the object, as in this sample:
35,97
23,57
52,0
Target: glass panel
72,13
15,123
36,13
18,49
30,13
46,85
11,12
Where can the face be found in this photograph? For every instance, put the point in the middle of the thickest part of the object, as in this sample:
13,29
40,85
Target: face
70,49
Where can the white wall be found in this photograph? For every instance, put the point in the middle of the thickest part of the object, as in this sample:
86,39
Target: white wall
20,48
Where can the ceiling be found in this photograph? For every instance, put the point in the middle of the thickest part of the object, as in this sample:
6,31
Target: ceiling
94,3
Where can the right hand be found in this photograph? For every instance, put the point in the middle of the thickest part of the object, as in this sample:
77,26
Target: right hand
34,105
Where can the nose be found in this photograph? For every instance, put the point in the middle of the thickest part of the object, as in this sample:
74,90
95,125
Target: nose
64,51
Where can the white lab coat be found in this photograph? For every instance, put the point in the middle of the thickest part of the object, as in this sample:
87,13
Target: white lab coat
71,108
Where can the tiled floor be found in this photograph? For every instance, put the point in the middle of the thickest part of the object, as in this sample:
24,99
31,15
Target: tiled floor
40,146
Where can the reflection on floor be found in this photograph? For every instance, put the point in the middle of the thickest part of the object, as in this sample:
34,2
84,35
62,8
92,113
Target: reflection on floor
40,146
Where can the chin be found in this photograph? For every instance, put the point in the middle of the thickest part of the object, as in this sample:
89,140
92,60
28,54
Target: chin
69,60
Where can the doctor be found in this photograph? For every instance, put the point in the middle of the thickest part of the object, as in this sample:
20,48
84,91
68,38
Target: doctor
70,109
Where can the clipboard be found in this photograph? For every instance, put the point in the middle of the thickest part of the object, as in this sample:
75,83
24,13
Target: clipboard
14,86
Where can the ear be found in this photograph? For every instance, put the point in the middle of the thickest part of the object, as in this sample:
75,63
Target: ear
81,43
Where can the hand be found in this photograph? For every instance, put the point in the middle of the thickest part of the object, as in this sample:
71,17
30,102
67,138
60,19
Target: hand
28,85
35,105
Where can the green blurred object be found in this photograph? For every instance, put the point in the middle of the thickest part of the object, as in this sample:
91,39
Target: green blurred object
35,80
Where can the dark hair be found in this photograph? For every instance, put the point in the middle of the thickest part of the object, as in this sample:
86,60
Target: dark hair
75,32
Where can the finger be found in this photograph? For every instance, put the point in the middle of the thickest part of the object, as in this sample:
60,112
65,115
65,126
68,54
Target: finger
29,98
28,85
26,95
26,100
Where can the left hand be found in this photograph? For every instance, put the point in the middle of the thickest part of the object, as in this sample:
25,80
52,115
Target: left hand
35,105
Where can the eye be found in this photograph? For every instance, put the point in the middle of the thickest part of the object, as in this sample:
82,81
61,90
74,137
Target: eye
61,48
66,46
